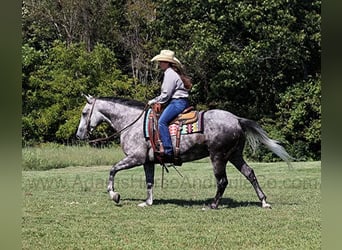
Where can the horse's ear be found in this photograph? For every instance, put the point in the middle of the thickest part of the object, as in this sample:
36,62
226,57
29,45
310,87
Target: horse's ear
89,98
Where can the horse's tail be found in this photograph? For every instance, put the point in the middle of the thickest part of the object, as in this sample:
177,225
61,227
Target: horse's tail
255,134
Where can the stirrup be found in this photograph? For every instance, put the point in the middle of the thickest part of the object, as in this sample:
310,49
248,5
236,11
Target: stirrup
178,161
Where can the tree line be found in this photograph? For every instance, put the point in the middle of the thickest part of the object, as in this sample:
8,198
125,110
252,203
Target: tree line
259,59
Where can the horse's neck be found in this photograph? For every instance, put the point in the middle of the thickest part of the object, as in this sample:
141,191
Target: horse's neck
120,115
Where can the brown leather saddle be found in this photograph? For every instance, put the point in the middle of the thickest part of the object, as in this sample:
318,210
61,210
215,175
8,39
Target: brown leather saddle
188,116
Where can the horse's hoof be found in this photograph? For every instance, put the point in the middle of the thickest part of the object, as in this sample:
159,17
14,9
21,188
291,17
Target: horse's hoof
209,207
213,206
144,204
206,208
266,205
115,196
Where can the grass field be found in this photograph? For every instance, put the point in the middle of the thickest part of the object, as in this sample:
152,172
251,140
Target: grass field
68,208
52,156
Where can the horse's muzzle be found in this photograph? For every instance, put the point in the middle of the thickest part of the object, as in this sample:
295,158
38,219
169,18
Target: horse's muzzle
81,136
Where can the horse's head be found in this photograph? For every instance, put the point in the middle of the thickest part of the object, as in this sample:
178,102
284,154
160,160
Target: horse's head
90,118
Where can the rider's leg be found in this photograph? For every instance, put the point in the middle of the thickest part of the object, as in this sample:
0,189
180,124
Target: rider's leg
174,108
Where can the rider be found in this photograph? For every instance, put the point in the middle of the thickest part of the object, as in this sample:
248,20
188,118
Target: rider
174,96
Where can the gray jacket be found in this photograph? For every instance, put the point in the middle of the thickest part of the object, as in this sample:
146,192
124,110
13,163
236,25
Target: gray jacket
172,88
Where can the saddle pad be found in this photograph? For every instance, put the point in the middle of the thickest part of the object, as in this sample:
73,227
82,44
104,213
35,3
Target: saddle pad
190,128
196,127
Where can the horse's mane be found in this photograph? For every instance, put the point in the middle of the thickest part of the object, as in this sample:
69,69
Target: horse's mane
124,101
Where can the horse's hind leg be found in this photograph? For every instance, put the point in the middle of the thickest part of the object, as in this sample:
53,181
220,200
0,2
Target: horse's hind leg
238,161
219,165
149,174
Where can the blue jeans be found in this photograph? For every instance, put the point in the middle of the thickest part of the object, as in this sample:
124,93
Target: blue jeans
172,110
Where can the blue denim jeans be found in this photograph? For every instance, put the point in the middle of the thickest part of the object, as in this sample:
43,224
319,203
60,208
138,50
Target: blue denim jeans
172,110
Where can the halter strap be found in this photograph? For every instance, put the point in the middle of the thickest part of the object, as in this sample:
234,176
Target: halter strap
90,114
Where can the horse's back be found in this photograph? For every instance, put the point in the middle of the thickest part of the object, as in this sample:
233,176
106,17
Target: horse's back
222,129
222,119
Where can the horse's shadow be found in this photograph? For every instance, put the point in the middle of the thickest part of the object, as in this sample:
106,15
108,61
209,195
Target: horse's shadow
224,203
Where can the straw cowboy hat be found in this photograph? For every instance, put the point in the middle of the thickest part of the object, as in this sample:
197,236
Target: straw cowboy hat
166,56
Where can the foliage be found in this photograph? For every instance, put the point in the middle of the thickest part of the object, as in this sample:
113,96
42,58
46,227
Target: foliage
243,56
52,98
300,115
70,21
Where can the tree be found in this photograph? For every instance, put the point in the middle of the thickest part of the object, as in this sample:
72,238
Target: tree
68,20
52,98
243,56
137,38
299,119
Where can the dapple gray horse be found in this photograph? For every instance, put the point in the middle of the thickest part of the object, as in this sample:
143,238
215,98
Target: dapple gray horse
223,140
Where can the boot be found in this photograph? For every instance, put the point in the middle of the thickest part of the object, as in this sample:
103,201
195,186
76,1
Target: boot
168,158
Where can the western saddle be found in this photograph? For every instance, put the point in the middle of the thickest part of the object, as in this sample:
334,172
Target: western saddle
189,115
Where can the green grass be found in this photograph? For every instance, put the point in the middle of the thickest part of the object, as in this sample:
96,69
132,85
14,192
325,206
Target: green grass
69,209
51,156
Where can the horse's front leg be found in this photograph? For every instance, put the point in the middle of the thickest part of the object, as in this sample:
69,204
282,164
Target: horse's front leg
126,163
149,174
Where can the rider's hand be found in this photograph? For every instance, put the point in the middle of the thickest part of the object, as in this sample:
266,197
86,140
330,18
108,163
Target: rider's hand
151,102
157,107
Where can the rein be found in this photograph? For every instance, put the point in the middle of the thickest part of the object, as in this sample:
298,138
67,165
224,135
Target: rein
118,132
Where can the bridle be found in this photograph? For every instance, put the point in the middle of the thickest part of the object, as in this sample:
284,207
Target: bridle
89,116
114,134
